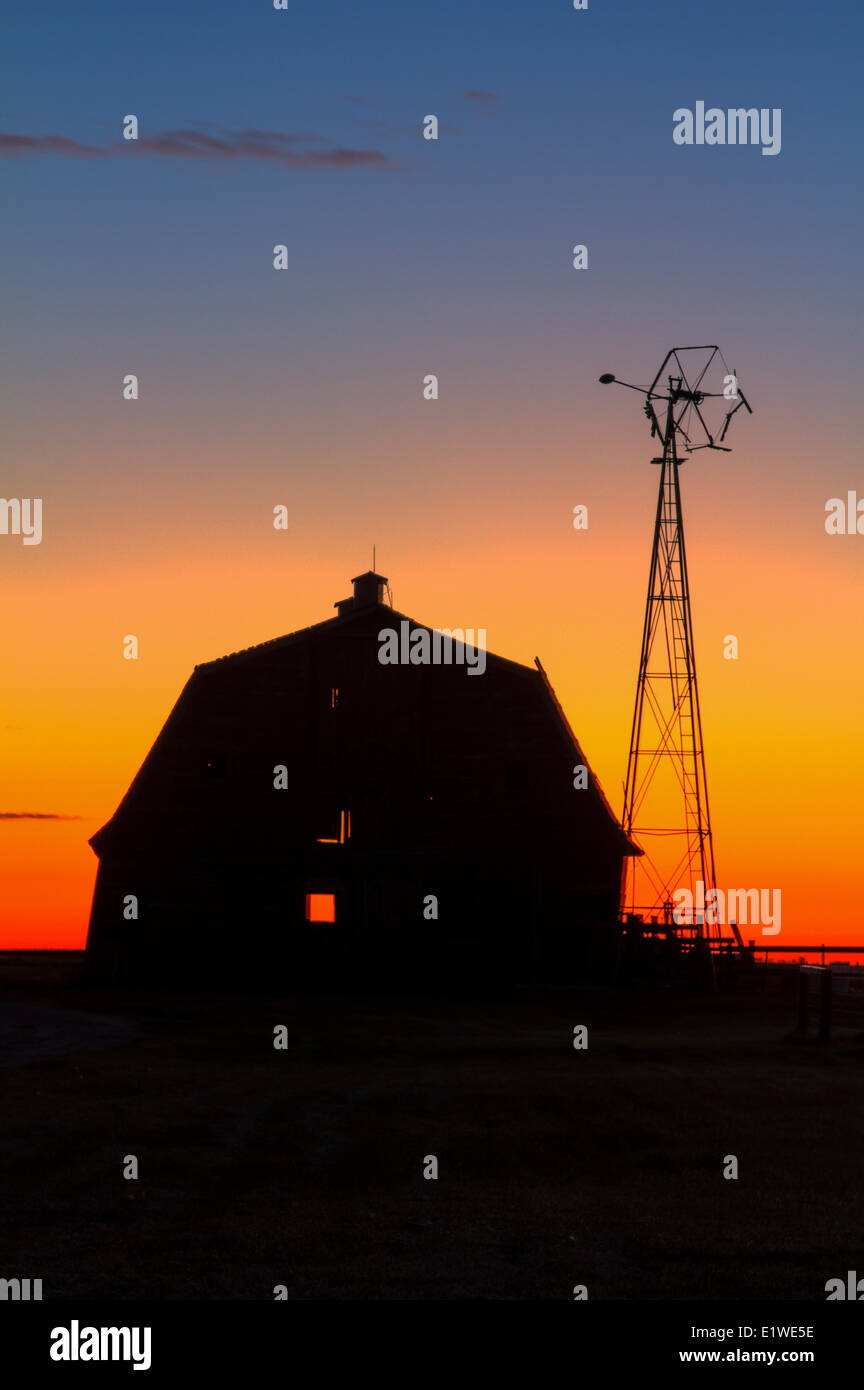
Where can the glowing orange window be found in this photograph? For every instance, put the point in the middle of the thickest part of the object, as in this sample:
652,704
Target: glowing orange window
344,831
320,907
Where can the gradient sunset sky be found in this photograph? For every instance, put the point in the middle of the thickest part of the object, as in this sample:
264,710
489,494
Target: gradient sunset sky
304,387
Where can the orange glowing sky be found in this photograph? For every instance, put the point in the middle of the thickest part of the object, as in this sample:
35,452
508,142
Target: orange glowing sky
782,724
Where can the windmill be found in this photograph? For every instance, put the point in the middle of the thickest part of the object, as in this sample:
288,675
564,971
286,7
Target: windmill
666,792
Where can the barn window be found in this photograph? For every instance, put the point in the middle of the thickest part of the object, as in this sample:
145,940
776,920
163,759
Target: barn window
320,907
335,696
344,833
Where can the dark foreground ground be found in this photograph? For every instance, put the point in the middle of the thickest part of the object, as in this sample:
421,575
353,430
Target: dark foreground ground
305,1167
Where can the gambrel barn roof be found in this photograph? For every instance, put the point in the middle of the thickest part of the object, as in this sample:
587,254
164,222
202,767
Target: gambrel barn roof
243,707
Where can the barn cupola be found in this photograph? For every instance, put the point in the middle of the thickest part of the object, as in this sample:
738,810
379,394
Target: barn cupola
369,590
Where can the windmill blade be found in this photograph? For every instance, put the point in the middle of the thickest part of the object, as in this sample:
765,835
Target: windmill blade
708,433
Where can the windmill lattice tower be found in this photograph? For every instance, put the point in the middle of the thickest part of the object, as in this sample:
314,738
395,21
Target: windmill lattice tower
666,809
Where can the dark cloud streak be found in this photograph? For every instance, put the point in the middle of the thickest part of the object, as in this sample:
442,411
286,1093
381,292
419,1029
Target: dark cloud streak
15,145
266,146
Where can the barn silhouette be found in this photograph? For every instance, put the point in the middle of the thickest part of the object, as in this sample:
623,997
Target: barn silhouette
309,817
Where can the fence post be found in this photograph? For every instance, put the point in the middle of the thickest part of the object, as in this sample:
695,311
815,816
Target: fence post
801,1026
825,1006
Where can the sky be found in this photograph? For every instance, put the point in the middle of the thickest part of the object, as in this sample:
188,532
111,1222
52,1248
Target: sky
304,387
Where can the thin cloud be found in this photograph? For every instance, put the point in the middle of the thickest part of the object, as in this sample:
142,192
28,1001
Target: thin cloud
474,95
13,145
36,815
279,147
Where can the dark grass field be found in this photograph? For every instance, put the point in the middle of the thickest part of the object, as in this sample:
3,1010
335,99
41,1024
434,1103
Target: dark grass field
305,1167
